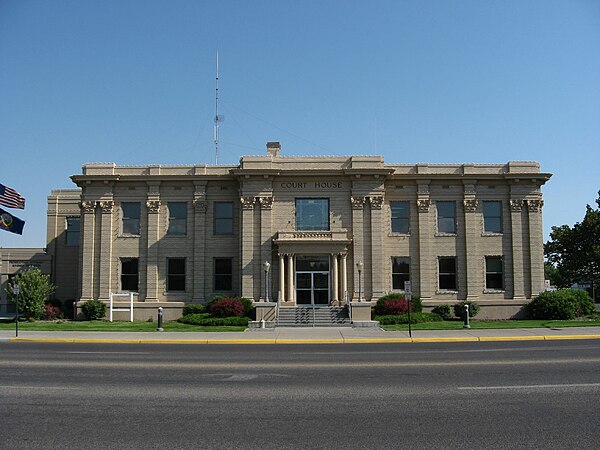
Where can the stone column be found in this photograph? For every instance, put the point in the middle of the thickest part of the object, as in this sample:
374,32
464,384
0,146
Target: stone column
247,247
516,206
105,255
344,278
282,295
377,227
334,279
152,233
471,236
357,236
536,245
86,255
290,284
199,243
266,205
426,259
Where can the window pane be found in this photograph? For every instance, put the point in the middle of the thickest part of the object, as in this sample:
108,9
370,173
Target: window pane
129,274
447,273
223,274
177,218
223,217
131,218
446,212
492,216
494,278
312,214
176,274
73,230
400,272
400,217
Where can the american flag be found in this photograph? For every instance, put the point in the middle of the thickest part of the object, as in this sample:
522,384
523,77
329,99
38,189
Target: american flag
11,198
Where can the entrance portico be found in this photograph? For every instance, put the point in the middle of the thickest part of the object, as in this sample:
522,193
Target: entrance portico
312,268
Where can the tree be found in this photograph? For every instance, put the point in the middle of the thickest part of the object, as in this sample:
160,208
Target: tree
34,289
575,251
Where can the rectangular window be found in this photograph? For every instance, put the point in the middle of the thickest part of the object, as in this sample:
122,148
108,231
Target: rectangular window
129,274
131,218
400,217
492,216
446,217
494,278
312,214
175,274
447,273
223,274
73,230
223,217
400,272
177,218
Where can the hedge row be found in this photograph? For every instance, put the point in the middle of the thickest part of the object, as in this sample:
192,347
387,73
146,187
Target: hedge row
564,304
206,320
418,317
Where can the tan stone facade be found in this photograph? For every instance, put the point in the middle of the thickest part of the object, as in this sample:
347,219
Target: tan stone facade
183,234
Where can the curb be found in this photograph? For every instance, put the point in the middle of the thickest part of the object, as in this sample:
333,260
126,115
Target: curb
308,341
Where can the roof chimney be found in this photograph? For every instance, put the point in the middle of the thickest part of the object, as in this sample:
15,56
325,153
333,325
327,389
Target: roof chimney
273,149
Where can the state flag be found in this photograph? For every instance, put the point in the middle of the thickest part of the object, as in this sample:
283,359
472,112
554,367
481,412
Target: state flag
8,222
11,198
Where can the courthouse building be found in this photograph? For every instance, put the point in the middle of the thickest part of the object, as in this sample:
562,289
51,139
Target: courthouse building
333,229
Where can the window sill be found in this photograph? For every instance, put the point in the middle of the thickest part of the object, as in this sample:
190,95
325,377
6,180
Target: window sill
129,236
489,234
494,291
446,292
438,234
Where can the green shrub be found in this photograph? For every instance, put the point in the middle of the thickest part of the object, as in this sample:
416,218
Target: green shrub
94,309
403,319
459,309
444,311
396,302
206,320
35,290
564,304
194,308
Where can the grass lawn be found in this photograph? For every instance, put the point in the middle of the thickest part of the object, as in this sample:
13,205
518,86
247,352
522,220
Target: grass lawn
102,325
495,324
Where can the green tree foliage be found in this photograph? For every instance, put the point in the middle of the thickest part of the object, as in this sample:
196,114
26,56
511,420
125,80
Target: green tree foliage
575,251
35,289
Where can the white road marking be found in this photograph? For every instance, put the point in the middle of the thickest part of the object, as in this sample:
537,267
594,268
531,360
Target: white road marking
531,386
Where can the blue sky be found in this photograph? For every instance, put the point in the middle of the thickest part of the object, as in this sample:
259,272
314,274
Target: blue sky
132,82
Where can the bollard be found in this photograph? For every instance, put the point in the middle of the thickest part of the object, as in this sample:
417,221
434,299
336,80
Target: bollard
262,323
467,324
160,319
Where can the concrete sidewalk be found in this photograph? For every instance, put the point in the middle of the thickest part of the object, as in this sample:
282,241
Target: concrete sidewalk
304,336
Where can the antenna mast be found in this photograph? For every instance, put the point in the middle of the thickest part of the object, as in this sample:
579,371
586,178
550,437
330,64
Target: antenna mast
218,118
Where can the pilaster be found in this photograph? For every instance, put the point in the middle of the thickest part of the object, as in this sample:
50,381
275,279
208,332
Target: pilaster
357,235
516,207
377,227
266,207
106,243
425,234
536,247
153,222
86,255
247,246
199,242
472,235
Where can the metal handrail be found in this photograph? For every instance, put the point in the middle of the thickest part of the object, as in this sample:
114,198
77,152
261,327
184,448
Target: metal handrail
277,308
349,306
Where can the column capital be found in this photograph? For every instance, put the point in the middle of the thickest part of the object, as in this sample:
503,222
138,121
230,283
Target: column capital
357,202
535,205
376,201
200,204
423,205
247,202
265,202
87,207
516,205
470,204
153,206
106,206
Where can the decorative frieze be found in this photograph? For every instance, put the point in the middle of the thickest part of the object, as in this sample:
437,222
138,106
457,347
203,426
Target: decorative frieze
470,204
535,205
516,205
357,202
106,206
376,201
153,206
87,207
247,202
265,202
423,205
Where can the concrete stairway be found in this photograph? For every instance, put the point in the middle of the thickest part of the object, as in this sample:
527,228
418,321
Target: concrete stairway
302,316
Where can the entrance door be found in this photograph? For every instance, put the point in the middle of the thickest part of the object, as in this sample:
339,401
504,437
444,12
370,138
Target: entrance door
312,280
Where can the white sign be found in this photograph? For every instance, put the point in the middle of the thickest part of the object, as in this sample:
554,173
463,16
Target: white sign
407,291
16,289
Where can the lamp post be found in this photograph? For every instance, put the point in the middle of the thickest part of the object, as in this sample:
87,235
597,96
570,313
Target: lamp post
266,268
359,267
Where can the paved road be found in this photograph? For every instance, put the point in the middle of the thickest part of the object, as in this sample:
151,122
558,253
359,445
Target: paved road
440,395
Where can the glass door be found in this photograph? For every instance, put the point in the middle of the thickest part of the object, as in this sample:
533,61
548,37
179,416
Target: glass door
312,280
